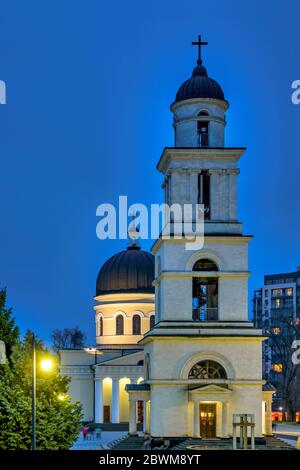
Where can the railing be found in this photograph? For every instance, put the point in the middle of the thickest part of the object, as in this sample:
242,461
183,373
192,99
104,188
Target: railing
205,314
202,140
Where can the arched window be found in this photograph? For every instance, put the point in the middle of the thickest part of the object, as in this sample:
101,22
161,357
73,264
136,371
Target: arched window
152,321
136,325
207,370
100,326
203,113
119,325
205,292
205,265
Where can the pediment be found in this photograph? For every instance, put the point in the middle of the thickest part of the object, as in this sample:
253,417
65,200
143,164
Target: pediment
209,388
131,359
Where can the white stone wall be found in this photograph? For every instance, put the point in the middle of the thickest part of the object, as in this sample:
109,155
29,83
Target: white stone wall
186,116
169,411
176,276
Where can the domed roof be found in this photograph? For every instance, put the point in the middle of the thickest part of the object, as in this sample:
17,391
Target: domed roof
129,271
199,85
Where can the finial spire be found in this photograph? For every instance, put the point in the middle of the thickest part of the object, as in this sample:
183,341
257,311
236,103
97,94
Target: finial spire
199,44
133,234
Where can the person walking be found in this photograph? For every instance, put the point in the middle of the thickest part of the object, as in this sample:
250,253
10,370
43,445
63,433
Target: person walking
84,431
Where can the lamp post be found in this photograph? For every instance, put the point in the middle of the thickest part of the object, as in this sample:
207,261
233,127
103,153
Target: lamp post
46,365
33,405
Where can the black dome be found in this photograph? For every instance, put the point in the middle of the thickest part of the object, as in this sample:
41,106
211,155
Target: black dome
129,271
199,86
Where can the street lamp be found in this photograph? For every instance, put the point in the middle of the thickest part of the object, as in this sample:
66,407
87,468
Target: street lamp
46,365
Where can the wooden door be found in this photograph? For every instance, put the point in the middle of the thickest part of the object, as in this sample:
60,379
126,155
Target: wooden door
106,414
140,411
207,420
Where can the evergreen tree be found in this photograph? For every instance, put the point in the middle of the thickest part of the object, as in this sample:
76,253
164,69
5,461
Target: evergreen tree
57,418
9,332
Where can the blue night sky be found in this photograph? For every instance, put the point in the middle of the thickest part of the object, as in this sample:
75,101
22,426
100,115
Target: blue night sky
89,84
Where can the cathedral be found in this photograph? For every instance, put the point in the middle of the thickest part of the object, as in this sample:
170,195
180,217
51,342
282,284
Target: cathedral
174,347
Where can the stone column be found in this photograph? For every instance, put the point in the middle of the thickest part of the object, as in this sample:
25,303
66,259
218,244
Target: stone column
268,418
115,414
132,417
98,411
196,420
225,407
215,194
233,193
146,417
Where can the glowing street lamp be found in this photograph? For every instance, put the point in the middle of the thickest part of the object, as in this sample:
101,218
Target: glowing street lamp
46,365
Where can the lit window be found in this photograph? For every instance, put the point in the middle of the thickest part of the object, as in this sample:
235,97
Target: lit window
289,291
277,303
276,331
277,368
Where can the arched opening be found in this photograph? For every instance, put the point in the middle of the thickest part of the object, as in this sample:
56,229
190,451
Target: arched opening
205,264
203,113
152,321
100,326
119,325
136,325
205,292
207,370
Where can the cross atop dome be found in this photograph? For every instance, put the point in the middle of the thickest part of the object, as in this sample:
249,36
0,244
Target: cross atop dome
200,43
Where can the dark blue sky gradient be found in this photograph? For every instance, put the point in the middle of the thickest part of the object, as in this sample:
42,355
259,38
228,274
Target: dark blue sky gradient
89,84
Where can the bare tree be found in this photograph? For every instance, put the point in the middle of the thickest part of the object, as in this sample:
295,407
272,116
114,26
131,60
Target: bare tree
68,338
282,331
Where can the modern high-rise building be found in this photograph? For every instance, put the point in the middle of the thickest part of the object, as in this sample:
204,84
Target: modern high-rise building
276,309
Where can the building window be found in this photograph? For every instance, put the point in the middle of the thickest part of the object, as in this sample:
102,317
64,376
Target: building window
204,192
205,265
119,325
277,303
289,291
207,370
202,131
205,298
266,292
205,292
136,325
100,327
276,330
277,368
152,321
277,292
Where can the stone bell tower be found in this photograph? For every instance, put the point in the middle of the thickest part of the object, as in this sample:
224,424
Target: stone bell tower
203,356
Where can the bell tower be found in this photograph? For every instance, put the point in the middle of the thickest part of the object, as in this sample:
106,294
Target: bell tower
199,169
201,295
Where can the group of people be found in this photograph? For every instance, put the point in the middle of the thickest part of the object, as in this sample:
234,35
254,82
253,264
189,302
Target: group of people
88,430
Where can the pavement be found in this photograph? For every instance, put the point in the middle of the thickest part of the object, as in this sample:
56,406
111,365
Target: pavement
107,437
288,432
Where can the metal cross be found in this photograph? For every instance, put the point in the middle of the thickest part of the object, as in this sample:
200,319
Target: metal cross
199,44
